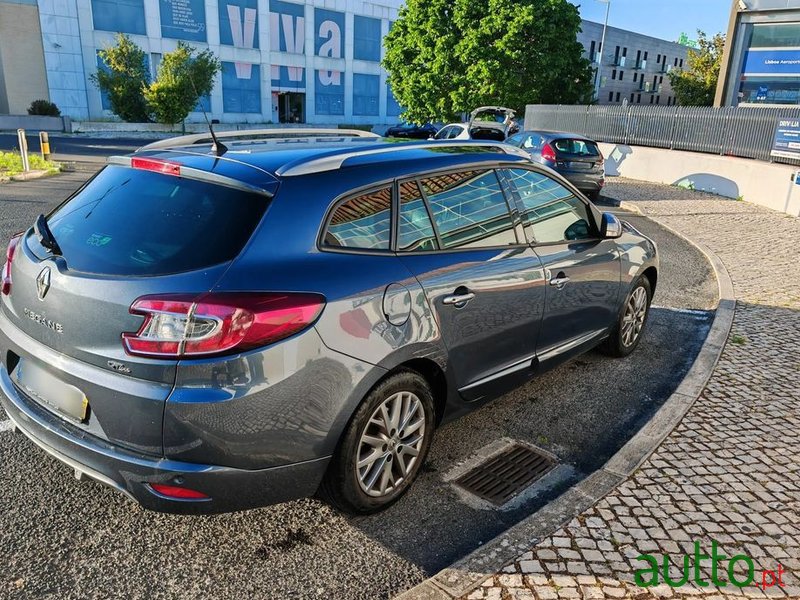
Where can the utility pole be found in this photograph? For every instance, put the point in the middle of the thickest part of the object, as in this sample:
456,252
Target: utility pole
597,77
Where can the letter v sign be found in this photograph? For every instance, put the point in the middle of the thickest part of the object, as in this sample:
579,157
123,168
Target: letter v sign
243,35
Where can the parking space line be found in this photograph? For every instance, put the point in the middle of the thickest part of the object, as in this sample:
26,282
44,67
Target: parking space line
5,426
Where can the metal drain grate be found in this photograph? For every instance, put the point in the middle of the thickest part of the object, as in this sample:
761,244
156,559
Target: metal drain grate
505,475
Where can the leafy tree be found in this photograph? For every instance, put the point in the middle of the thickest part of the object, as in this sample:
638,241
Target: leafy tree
183,78
447,57
124,79
697,85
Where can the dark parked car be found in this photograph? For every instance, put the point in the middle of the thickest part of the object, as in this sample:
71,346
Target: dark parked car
412,131
575,157
208,331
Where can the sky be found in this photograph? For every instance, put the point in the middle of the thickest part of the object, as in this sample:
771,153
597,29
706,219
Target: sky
664,19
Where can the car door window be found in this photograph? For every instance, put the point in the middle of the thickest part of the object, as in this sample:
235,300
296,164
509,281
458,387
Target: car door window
415,231
469,210
454,132
532,142
550,212
362,222
516,140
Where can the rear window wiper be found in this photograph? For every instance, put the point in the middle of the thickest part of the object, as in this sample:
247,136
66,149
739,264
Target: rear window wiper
46,239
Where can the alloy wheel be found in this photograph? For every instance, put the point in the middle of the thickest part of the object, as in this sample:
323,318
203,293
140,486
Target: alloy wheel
635,314
390,444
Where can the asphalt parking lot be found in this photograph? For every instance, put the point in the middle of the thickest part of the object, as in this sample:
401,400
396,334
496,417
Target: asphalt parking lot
59,537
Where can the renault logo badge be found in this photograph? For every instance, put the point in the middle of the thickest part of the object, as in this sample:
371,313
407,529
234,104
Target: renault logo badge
43,283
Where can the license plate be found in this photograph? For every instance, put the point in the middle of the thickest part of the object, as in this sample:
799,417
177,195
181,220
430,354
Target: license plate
581,166
50,391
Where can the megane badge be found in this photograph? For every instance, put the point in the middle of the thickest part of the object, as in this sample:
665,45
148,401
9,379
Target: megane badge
43,283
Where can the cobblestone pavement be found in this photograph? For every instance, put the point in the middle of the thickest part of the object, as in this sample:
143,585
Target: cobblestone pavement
730,472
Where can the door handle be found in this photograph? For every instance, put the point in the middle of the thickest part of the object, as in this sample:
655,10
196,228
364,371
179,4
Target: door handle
458,300
560,280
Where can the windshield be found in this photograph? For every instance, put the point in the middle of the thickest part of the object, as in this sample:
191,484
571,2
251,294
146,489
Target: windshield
577,147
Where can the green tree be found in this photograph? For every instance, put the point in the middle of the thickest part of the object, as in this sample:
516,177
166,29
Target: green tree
697,85
447,57
183,78
124,78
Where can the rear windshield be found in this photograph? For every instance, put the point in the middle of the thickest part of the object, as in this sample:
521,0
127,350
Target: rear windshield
132,222
577,147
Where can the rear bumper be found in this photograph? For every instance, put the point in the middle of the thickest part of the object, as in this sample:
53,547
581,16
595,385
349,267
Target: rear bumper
130,473
585,182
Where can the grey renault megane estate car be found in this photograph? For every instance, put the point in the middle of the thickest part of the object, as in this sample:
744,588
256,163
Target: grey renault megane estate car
209,328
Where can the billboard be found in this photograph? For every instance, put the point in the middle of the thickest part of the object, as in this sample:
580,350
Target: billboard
287,27
238,23
771,62
183,19
288,79
786,142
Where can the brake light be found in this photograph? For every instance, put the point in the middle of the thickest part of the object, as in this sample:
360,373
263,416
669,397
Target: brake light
158,166
10,251
179,493
218,323
548,153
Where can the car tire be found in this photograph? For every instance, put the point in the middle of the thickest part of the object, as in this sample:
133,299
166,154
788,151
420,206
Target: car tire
629,328
355,485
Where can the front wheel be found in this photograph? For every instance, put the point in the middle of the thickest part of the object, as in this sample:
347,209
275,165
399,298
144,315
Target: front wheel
630,325
383,447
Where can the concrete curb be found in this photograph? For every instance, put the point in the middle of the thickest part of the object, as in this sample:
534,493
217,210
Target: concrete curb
469,572
27,176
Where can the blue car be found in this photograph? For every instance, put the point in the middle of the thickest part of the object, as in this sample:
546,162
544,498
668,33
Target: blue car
208,327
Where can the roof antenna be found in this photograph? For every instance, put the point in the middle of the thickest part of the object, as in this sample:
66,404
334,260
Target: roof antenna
218,148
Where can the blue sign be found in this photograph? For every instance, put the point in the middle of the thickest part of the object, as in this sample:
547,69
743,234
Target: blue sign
786,143
238,23
287,27
124,16
771,62
288,79
241,88
366,38
183,19
329,93
762,92
329,27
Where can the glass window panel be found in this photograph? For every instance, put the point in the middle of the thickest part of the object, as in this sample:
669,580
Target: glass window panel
362,222
415,229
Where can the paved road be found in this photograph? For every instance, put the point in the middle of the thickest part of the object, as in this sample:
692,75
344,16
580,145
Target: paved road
730,472
60,537
78,148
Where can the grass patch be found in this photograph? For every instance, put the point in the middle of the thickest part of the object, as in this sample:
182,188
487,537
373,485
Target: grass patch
737,339
11,164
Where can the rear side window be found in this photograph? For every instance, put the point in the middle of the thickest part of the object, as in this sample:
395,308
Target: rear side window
577,147
443,133
362,222
470,210
415,228
550,212
137,223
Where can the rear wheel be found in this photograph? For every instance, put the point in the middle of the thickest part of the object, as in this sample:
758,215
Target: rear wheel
384,446
630,325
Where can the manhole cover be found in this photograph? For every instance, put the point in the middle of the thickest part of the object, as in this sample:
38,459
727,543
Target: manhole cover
505,475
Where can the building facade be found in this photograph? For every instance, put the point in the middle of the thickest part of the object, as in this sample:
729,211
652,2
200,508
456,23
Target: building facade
22,74
316,61
761,64
633,67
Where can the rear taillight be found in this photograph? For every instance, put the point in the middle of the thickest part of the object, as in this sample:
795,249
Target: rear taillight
178,493
548,153
10,251
218,323
158,166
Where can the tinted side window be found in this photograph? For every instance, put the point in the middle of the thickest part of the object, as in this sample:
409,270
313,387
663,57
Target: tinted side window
470,210
550,212
515,140
415,232
455,132
577,147
443,133
362,222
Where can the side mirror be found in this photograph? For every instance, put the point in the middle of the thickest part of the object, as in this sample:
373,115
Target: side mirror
611,227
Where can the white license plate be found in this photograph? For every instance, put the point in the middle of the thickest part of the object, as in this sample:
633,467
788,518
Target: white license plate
50,391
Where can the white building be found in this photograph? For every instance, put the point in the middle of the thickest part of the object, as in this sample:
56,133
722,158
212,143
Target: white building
316,61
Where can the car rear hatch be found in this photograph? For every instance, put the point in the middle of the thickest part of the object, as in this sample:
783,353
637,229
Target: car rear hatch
128,233
578,155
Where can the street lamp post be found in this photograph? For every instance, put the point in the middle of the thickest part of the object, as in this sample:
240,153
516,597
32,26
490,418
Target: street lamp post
597,78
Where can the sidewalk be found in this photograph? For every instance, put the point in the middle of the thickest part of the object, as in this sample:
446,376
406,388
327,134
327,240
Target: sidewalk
730,472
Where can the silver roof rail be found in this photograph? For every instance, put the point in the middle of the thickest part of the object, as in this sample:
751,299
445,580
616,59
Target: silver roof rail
335,159
255,134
